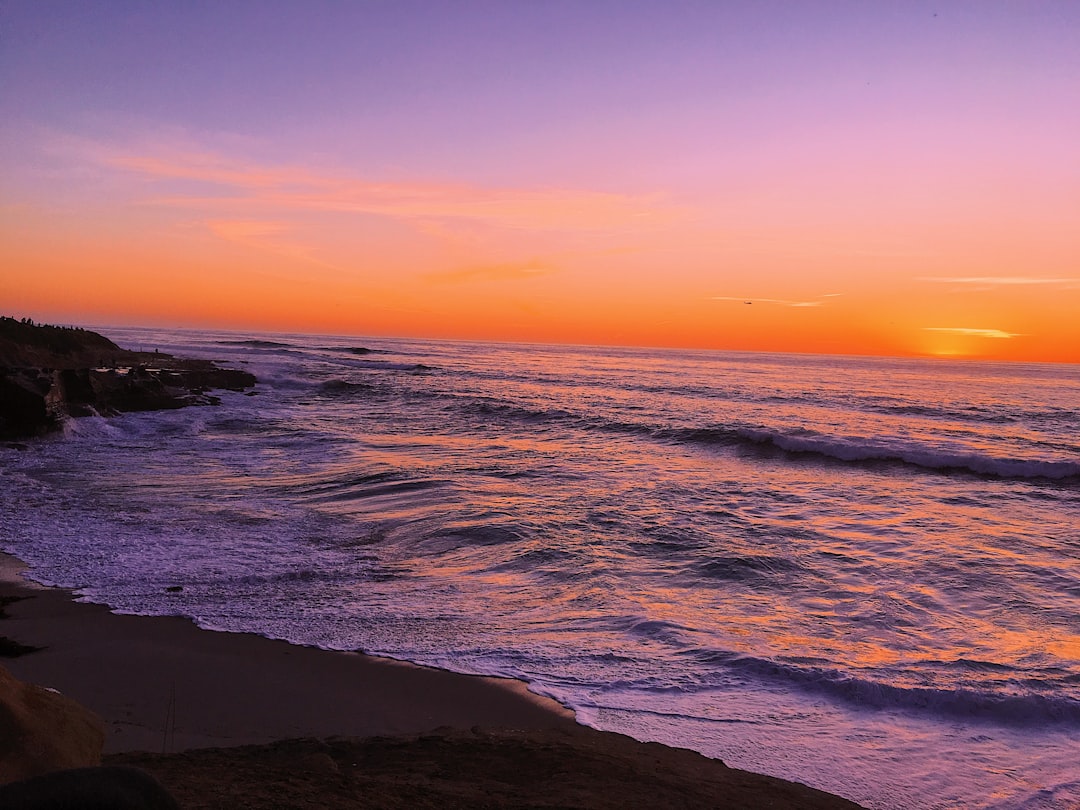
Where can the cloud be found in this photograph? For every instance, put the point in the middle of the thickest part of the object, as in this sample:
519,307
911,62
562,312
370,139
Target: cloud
779,301
270,237
238,185
509,271
207,168
244,231
983,333
1001,281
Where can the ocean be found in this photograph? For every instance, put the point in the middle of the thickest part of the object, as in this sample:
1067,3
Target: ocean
858,573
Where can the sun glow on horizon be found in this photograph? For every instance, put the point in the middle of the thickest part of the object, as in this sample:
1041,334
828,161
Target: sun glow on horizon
848,207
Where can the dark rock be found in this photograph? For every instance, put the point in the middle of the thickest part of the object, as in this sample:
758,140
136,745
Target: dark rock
43,731
36,398
27,345
106,788
23,410
9,648
135,389
71,393
210,376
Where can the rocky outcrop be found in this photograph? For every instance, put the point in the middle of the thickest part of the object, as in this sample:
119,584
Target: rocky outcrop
42,731
23,411
48,374
24,344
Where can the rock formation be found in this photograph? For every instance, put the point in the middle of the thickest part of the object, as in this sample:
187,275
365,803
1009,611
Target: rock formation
42,731
49,373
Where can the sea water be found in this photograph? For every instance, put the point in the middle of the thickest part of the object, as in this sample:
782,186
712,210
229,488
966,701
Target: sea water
858,573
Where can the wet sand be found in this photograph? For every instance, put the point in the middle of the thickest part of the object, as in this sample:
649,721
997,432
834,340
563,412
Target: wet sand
235,689
367,725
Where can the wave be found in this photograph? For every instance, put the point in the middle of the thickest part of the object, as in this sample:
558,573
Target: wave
997,414
476,535
353,488
94,425
1064,794
389,365
745,569
972,413
1005,708
854,449
851,449
258,344
343,388
530,416
355,350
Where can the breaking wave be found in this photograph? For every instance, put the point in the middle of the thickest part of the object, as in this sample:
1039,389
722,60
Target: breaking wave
858,449
1021,709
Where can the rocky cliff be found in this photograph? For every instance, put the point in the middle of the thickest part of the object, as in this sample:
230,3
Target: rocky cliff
50,373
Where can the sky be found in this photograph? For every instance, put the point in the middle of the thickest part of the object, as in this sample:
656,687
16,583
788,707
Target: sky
835,177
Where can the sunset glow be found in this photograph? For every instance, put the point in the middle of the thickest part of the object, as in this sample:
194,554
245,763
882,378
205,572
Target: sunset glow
837,177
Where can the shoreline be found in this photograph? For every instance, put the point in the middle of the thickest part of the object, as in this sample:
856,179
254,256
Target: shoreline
262,712
129,669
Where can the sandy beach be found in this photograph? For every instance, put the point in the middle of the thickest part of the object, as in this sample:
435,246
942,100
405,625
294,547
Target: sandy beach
235,689
282,725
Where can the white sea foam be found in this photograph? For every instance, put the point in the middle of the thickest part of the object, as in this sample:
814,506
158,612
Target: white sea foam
861,449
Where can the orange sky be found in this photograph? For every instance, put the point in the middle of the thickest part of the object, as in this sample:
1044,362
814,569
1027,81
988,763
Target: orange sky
871,181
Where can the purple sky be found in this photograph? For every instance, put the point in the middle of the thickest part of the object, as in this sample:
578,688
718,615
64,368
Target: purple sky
854,124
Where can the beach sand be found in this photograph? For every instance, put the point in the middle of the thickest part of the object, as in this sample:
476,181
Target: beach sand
236,720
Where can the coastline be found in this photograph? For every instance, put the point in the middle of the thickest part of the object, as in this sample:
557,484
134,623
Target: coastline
229,692
237,688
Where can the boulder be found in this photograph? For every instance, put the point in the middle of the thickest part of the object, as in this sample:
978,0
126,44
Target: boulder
132,389
23,409
71,392
42,731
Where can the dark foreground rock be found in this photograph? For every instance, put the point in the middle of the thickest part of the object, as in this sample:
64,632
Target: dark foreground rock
468,769
115,788
42,731
49,373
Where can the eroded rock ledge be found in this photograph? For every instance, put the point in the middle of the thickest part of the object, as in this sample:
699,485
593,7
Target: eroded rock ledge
50,373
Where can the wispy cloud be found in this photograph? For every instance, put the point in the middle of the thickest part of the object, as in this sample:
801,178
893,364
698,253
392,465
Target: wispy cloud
1001,281
270,237
968,332
232,185
509,271
208,168
817,302
245,231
